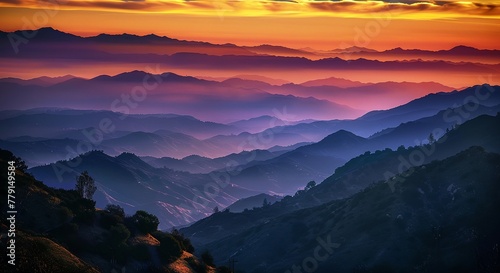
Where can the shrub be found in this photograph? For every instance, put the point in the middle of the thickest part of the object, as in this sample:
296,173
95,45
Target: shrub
84,210
115,210
184,242
112,215
196,265
118,234
145,222
108,220
169,248
85,185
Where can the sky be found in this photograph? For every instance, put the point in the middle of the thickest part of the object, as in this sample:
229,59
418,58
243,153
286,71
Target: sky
301,23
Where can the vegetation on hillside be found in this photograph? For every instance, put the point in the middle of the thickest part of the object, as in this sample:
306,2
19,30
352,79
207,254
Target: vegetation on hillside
440,218
62,231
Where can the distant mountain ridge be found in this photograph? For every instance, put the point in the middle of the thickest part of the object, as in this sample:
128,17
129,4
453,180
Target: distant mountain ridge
252,202
333,81
173,196
195,54
391,128
364,96
50,34
184,95
130,52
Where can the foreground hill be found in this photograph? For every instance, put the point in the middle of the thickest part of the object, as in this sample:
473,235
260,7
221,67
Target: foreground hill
432,222
58,231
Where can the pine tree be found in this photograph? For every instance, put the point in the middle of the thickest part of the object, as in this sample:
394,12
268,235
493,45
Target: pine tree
265,203
431,139
85,185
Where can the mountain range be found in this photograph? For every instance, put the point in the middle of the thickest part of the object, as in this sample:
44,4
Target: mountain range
176,197
53,133
147,153
282,172
459,66
169,92
63,232
432,221
167,45
443,204
374,204
371,167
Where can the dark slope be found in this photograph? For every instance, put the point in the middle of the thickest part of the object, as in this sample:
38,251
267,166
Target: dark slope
58,231
443,212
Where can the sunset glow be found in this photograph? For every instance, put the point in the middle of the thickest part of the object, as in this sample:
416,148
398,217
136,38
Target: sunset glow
344,8
318,24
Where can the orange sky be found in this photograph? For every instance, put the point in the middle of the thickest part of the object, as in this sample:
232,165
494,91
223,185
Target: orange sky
317,24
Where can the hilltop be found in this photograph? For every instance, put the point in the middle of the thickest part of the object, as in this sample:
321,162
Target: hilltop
59,231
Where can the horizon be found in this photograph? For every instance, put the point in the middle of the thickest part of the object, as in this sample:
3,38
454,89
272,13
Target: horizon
228,42
246,22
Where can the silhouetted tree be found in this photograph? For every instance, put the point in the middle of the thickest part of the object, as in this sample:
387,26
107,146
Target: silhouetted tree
169,248
145,222
115,209
216,209
20,164
265,203
83,209
310,185
115,214
431,138
118,234
85,185
184,242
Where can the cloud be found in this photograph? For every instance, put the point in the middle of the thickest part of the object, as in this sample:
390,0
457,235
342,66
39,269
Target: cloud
444,8
339,8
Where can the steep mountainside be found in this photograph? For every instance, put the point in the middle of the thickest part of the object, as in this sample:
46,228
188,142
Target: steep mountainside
356,175
430,222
